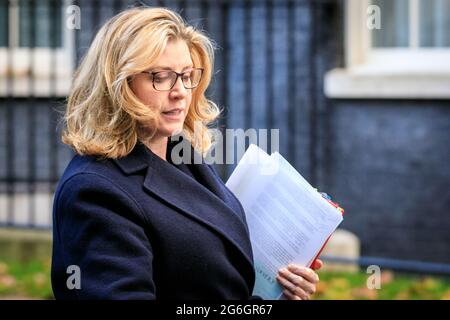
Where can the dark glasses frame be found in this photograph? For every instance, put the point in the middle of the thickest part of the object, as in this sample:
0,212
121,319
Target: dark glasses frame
179,75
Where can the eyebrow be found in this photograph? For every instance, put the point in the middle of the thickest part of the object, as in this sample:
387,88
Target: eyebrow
169,68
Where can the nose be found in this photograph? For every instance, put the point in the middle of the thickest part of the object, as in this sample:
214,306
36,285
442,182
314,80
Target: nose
178,91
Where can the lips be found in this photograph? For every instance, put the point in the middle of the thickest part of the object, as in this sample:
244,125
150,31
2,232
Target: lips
175,114
174,111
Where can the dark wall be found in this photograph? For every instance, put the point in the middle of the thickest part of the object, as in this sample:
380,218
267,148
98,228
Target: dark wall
30,140
390,170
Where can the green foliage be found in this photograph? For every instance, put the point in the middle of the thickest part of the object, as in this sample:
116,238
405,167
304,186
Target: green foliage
393,286
29,280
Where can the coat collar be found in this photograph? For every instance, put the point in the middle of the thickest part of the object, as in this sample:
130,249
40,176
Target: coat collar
218,209
136,161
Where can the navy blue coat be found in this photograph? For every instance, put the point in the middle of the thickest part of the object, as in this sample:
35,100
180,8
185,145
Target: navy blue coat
140,227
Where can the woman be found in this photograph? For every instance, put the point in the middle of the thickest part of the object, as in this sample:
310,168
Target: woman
130,221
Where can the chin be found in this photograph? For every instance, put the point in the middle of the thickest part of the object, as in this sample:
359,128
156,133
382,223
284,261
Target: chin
170,131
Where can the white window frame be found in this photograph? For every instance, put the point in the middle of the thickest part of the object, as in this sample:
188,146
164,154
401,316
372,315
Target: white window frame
416,73
39,72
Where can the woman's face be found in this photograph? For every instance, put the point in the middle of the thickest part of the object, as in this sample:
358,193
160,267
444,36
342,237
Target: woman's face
173,104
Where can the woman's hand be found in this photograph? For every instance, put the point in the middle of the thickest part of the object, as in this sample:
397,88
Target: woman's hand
299,282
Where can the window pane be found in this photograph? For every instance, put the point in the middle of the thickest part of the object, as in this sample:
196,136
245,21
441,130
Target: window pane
394,31
434,24
4,24
45,16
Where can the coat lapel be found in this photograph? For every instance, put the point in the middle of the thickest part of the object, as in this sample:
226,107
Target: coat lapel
211,182
208,206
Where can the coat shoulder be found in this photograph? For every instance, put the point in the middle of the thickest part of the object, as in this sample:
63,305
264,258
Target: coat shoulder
86,175
94,187
87,165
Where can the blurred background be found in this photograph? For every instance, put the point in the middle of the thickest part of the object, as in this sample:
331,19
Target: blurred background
359,89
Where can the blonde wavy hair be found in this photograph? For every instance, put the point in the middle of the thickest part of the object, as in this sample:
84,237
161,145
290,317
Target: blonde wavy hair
103,116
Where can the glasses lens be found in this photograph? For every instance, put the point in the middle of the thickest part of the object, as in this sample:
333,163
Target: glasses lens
164,80
192,78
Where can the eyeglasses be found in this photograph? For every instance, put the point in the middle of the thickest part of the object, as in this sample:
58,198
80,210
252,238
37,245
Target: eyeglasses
165,80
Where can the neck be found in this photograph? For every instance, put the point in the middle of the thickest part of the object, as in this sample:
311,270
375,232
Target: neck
158,146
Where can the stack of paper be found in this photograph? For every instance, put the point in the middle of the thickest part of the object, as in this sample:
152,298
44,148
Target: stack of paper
289,221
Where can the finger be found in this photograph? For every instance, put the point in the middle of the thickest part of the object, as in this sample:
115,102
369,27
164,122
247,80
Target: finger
291,296
293,288
298,281
304,272
317,264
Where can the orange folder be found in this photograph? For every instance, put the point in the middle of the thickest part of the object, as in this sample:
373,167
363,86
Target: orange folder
336,205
